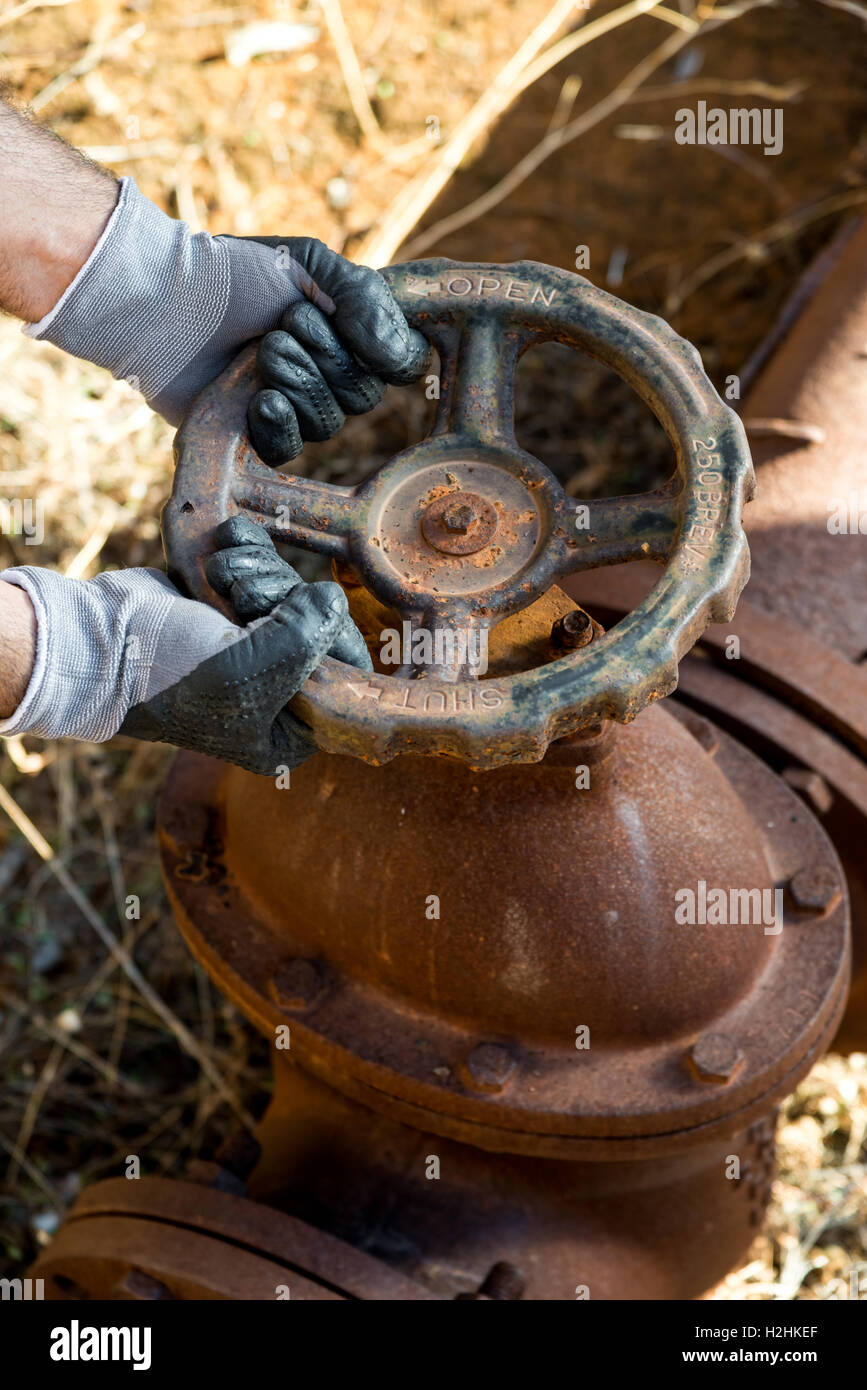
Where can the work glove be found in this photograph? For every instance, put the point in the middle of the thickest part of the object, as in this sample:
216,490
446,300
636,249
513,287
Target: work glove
247,570
126,652
167,310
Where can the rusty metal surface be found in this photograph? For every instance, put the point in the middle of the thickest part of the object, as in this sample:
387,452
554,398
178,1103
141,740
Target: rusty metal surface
259,879
803,572
790,662
459,523
480,318
789,741
158,1238
790,699
456,1037
666,1228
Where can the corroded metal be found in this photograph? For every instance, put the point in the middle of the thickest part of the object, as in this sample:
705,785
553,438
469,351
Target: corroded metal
623,1229
402,1003
456,1036
809,525
790,698
481,318
459,523
161,1240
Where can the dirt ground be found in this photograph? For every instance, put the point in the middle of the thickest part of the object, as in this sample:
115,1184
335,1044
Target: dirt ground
714,238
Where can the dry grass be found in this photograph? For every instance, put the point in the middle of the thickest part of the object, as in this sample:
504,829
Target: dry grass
90,1072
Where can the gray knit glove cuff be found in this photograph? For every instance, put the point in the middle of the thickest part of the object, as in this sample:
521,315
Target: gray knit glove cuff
105,645
167,310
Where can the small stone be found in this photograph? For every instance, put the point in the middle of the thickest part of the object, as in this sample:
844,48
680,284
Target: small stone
338,191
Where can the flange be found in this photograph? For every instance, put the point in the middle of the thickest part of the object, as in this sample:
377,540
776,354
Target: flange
161,1239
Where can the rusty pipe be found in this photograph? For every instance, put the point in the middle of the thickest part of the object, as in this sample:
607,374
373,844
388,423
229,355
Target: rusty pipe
814,385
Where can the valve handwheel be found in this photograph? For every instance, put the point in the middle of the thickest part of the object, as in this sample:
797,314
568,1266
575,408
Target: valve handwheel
464,528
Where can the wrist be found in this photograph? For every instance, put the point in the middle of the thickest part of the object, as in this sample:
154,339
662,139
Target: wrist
57,251
17,647
54,208
86,671
128,308
105,645
165,309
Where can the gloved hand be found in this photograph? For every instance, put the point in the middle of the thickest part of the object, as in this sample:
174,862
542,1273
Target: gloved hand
318,369
168,310
126,652
247,570
231,706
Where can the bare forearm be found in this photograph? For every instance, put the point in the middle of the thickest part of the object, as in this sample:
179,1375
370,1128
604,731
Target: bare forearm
54,207
17,646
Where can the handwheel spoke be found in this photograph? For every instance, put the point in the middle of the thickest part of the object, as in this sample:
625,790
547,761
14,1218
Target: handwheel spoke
611,530
300,511
477,384
442,646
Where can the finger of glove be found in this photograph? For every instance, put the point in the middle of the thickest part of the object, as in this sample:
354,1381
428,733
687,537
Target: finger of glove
350,646
240,530
354,389
282,652
284,364
274,428
292,742
246,561
256,596
366,313
225,567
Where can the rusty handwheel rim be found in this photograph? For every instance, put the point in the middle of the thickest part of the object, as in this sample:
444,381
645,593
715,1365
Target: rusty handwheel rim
481,318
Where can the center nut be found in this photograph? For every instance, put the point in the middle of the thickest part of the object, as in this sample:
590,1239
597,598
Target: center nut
459,523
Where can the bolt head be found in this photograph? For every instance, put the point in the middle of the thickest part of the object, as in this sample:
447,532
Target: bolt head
573,630
459,523
715,1058
488,1067
815,889
297,985
459,516
812,787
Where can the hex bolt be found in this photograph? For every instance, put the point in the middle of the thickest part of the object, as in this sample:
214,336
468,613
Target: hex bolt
459,516
812,787
814,889
488,1067
573,630
207,1174
503,1282
715,1058
145,1287
297,985
239,1153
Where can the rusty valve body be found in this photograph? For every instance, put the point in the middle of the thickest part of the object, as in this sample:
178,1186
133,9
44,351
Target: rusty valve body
508,1051
527,1057
582,1067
